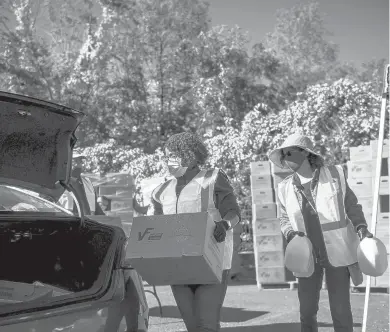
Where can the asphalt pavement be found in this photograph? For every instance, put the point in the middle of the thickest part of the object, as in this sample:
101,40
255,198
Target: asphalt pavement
248,309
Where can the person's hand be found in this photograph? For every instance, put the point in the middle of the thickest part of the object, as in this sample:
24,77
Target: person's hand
363,232
293,234
220,230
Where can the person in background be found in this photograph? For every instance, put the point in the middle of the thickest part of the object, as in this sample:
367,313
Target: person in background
84,188
317,202
187,192
105,204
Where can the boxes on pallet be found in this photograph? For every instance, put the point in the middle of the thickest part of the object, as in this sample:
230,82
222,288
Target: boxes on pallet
270,275
361,186
384,188
266,226
261,181
374,148
384,203
269,258
262,196
362,152
268,243
260,168
383,280
265,210
361,169
382,228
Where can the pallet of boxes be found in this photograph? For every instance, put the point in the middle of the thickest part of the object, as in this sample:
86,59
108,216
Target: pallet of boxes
361,170
268,241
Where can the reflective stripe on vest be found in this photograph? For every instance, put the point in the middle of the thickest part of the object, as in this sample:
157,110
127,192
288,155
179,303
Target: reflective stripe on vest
341,240
196,196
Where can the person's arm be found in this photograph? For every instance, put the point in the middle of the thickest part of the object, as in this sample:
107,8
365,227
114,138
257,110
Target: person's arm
156,207
285,224
138,208
353,209
98,208
225,200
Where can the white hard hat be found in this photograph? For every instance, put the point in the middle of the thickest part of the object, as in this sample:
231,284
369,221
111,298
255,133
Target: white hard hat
298,257
372,257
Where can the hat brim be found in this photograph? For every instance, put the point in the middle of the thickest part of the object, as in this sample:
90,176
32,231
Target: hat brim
276,154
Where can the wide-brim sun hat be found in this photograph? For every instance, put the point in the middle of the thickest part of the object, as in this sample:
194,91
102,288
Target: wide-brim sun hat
294,140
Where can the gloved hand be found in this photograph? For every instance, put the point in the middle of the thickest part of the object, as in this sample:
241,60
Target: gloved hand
363,232
220,230
293,234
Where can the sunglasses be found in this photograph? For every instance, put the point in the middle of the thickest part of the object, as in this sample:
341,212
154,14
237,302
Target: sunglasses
289,153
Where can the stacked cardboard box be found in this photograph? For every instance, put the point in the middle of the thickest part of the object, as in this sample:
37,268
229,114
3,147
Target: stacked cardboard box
267,238
361,179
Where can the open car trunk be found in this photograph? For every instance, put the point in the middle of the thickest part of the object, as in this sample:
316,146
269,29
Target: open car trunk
59,256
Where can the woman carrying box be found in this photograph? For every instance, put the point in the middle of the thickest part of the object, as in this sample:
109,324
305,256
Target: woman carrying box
188,192
316,202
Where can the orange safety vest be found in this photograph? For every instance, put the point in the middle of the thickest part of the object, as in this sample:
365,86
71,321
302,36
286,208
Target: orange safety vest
196,196
341,240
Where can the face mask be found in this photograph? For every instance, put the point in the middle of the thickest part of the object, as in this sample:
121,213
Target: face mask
294,161
177,171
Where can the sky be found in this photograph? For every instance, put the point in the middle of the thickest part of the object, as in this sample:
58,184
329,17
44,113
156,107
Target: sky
359,27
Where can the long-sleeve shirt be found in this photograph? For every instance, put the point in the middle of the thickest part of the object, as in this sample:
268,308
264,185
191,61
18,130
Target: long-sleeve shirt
306,197
224,198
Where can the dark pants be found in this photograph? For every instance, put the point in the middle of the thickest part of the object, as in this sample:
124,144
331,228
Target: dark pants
200,306
338,283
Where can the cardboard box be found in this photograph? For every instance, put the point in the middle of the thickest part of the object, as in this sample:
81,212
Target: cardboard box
270,275
269,258
260,168
262,196
265,210
176,249
374,148
361,169
384,203
362,152
266,226
384,280
361,187
268,243
17,292
384,187
261,181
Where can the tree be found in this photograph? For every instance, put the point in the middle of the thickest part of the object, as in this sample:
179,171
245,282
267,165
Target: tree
300,41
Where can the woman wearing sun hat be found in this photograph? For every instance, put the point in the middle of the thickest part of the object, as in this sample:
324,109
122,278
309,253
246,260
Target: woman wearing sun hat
318,206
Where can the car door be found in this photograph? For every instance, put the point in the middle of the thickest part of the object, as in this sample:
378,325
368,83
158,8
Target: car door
81,312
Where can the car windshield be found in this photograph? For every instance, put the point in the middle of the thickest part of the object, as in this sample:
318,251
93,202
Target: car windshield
16,199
